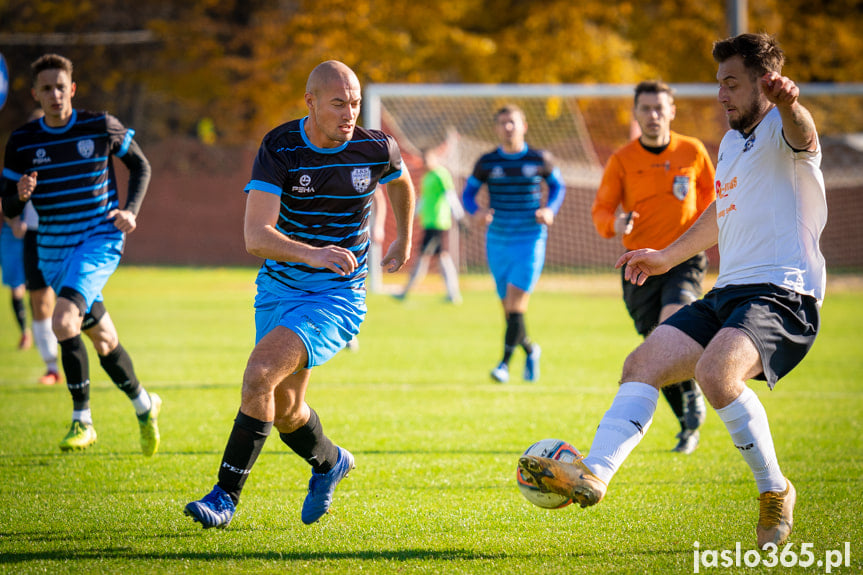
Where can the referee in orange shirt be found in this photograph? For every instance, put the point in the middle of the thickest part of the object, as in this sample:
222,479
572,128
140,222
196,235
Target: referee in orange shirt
663,181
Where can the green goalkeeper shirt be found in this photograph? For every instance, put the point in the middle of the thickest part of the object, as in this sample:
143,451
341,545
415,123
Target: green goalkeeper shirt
434,209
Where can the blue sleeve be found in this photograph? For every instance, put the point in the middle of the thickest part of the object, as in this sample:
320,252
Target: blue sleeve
556,191
468,196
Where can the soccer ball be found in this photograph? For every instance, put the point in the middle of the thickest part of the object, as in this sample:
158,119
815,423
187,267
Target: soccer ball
552,449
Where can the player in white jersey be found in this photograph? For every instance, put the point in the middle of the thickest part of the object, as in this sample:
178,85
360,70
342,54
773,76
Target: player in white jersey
762,316
778,246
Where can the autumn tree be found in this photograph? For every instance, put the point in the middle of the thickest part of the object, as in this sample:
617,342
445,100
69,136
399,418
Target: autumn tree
241,65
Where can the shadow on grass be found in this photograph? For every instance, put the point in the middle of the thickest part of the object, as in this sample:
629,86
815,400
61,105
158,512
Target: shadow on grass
127,554
94,453
397,555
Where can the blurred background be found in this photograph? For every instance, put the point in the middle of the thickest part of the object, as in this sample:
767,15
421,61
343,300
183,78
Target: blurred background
202,81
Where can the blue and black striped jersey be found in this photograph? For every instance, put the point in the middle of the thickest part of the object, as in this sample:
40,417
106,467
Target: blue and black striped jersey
76,187
514,184
326,196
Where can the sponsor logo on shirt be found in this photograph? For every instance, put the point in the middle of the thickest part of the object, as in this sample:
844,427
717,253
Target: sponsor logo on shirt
722,193
304,187
41,157
723,189
726,211
496,172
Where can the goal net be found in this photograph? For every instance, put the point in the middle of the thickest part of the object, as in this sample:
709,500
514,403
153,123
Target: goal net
582,125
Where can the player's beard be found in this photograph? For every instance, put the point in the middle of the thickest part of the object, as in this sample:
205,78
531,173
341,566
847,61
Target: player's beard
749,117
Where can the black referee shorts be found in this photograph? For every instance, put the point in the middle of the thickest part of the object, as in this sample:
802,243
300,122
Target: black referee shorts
679,285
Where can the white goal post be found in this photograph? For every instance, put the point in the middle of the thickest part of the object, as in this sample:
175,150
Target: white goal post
582,124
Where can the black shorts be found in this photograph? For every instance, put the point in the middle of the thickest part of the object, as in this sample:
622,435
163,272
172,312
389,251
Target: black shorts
781,323
432,242
33,278
679,285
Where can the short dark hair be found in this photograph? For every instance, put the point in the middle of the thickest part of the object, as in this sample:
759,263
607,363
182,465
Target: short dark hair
760,52
652,87
509,109
50,62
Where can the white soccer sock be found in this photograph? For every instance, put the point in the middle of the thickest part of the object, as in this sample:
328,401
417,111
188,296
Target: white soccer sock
747,423
621,428
46,342
142,403
450,277
83,415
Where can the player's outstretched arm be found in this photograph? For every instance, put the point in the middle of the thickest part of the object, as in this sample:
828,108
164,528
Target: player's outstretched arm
798,127
640,264
643,263
402,198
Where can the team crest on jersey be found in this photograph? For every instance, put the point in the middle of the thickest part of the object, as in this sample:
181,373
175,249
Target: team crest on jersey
529,170
680,187
361,178
750,141
41,157
86,148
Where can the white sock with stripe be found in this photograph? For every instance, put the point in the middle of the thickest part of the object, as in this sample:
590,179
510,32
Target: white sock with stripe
621,428
747,423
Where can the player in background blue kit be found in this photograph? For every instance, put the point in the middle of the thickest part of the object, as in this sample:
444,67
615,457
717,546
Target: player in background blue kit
62,163
308,216
517,226
12,265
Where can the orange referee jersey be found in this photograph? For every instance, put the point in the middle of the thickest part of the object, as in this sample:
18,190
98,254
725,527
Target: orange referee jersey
668,190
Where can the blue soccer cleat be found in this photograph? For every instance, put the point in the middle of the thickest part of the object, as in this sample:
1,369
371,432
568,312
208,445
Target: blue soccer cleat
531,366
500,374
322,486
216,509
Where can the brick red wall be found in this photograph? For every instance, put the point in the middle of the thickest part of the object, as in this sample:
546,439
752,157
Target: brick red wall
193,213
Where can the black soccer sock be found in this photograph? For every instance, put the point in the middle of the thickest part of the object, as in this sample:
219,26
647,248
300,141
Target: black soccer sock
674,395
20,313
76,366
310,443
244,445
514,336
118,365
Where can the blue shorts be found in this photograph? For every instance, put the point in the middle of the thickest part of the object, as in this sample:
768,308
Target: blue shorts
516,260
11,257
86,270
325,321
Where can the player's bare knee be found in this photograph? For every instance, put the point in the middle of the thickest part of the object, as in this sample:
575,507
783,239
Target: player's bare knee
65,325
635,367
713,383
104,343
260,376
294,419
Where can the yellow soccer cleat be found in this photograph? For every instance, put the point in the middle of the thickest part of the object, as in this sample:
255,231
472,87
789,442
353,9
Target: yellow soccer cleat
776,516
570,479
80,437
150,427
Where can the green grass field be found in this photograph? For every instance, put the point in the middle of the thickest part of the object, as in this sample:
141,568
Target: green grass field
435,441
